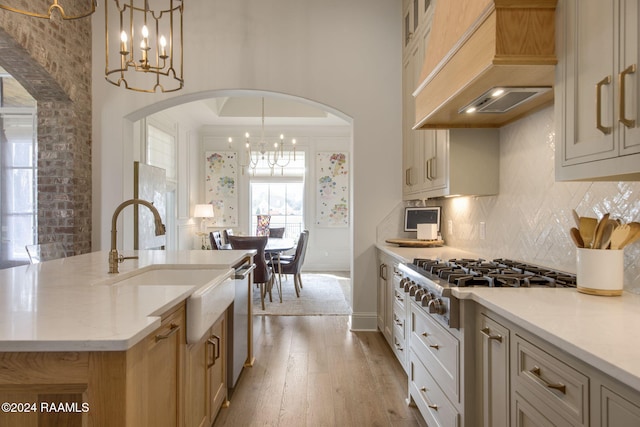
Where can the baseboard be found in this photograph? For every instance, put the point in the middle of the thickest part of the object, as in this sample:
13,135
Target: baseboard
364,322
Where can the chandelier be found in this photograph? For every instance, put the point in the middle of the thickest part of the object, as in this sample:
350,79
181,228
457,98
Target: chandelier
149,47
259,154
79,9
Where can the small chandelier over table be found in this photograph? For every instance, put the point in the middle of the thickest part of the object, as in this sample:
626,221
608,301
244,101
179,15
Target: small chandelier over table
77,9
149,45
259,154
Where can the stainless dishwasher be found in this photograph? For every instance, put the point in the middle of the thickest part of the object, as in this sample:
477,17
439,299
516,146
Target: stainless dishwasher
240,323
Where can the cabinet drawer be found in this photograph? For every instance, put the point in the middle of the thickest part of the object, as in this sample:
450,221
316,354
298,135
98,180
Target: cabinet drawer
400,350
432,402
399,321
616,410
438,349
542,377
526,415
399,298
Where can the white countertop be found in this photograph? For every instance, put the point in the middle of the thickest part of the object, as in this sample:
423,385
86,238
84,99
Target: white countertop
69,305
601,331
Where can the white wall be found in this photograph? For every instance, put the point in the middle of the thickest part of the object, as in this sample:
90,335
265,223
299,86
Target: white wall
342,54
322,254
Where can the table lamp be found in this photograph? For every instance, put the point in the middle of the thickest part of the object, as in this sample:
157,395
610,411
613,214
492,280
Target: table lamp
203,211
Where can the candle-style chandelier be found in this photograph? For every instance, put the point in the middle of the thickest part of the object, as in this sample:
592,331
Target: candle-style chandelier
76,9
259,154
149,48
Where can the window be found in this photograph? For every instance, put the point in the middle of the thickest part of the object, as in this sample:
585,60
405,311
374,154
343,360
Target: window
280,195
18,172
160,151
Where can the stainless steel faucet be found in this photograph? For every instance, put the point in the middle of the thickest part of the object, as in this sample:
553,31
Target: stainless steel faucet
114,258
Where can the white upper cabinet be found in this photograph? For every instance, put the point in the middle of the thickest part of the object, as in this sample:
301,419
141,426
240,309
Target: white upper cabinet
597,90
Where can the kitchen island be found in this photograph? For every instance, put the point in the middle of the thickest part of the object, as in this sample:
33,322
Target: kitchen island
109,349
595,336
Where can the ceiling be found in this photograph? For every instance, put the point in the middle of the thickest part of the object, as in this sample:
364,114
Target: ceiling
243,110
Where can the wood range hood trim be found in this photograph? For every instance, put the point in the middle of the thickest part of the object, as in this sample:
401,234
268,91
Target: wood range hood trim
496,43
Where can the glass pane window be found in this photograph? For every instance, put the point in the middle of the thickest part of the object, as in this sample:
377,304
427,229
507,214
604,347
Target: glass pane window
18,172
283,201
161,151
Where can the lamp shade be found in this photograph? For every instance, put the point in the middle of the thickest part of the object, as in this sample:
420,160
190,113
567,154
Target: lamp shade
203,211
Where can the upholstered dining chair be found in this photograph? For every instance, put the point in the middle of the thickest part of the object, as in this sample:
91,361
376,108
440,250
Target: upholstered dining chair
262,229
215,237
262,274
294,264
277,232
46,252
226,233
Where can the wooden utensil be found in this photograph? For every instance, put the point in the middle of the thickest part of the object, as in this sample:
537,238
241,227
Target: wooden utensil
597,234
606,234
619,235
575,236
576,217
634,234
587,229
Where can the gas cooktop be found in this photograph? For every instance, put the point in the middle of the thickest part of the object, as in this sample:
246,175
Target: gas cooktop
497,273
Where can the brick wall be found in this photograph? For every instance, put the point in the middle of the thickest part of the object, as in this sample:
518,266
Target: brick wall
52,60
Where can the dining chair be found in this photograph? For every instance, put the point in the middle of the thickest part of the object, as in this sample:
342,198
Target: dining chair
293,265
262,274
215,237
277,232
46,252
226,233
262,229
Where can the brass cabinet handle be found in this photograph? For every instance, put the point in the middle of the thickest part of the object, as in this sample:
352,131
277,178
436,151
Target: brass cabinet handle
172,330
556,386
436,346
407,177
630,123
487,333
434,172
427,166
383,271
604,129
430,405
214,341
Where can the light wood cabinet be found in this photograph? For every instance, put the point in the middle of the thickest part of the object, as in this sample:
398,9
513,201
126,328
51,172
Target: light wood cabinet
142,386
206,373
163,372
597,91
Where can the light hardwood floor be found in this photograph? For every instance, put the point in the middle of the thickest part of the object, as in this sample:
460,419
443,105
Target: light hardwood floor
312,371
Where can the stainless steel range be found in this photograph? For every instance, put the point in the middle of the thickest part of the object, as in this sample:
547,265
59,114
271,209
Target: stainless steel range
429,281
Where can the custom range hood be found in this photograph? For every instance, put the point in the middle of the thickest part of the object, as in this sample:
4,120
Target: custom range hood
487,63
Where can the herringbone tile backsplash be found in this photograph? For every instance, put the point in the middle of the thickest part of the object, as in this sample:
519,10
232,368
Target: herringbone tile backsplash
530,218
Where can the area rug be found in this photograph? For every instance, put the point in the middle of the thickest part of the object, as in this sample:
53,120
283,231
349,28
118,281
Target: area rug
322,295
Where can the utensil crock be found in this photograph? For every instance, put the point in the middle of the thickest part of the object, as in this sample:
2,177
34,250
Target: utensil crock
600,272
